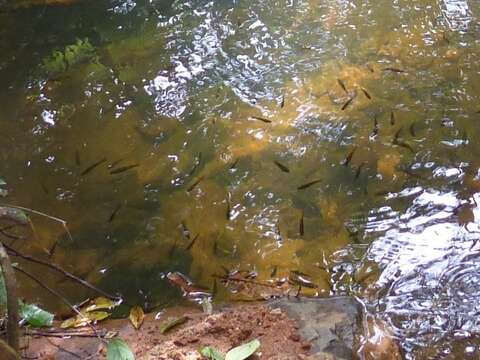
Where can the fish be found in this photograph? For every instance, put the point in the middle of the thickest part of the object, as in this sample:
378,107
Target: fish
191,187
365,92
198,161
298,278
375,127
115,163
234,164
348,102
281,166
392,118
307,185
397,135
93,166
261,119
349,157
123,169
282,102
395,70
274,271
114,213
359,170
189,246
369,67
412,129
185,231
77,158
342,85
301,227
228,208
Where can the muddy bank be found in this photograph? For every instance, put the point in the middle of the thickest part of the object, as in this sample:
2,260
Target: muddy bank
286,328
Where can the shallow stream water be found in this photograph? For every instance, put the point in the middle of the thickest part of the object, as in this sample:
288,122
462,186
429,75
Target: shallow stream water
331,137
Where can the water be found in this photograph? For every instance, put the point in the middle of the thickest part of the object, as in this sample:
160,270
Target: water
174,86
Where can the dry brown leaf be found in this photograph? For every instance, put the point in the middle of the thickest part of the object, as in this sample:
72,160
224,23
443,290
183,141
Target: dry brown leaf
136,316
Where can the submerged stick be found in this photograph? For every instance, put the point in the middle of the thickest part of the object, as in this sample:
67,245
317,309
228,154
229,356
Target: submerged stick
12,299
61,271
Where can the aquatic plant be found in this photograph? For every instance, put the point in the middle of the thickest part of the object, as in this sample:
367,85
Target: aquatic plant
74,54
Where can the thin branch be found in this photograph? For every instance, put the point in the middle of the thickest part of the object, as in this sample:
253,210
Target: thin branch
12,299
61,297
61,271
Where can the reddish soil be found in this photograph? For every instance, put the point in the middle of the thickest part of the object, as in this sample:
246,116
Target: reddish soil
229,328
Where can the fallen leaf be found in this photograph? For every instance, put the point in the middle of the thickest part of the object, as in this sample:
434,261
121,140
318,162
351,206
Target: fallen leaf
170,324
101,303
84,319
243,351
117,349
35,316
136,316
211,353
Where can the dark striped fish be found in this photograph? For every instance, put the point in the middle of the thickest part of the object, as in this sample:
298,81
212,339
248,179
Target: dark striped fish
307,185
123,169
365,92
342,85
349,157
93,166
261,119
281,166
347,103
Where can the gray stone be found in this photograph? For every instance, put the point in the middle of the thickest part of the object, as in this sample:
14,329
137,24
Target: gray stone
329,324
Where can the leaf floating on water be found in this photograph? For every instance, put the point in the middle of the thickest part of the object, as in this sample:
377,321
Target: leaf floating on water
84,319
101,303
117,349
211,353
136,316
171,324
243,351
35,316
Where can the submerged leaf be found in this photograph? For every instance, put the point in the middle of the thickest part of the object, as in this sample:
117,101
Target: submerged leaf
171,324
13,214
35,316
101,303
117,349
84,319
243,351
211,353
136,316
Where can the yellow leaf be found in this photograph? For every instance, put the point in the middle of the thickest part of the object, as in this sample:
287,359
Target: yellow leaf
136,316
101,303
84,319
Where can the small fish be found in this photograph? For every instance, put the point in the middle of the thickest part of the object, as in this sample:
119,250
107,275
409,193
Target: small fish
189,246
307,185
77,158
123,169
375,127
198,161
301,227
392,118
342,85
282,102
397,135
395,70
302,279
281,166
234,164
261,119
115,163
348,102
114,213
405,145
93,166
359,170
412,130
185,231
191,187
228,208
369,67
365,92
349,157
274,271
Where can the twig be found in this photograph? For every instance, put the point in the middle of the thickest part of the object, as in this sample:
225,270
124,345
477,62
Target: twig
63,349
57,294
63,334
61,271
12,299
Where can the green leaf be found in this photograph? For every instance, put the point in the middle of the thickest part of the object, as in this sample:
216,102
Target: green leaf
35,316
243,351
117,349
212,353
171,324
3,293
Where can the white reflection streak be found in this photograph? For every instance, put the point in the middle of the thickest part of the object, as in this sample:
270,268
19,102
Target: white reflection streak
457,13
